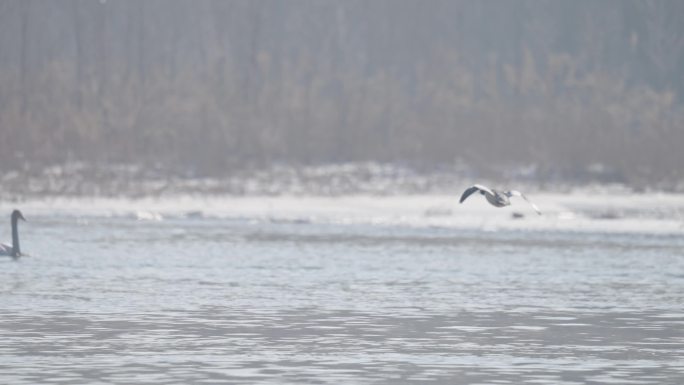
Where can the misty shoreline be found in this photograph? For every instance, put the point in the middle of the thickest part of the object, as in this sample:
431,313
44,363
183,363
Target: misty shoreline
130,181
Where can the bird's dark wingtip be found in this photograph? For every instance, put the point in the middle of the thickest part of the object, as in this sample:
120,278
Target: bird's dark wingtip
467,193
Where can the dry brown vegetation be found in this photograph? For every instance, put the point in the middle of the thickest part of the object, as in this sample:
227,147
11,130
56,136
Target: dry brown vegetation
578,90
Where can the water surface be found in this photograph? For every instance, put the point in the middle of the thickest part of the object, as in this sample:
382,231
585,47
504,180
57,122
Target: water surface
191,299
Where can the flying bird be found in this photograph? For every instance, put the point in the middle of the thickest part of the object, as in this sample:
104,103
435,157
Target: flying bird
496,198
13,250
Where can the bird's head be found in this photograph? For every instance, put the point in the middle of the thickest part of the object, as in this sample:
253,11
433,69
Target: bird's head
16,215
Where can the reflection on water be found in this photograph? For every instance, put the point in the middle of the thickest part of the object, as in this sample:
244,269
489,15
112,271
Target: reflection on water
192,300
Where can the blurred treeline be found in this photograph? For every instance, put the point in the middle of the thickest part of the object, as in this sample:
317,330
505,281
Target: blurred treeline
572,88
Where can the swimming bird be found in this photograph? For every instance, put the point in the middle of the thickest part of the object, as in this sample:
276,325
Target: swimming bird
496,198
13,250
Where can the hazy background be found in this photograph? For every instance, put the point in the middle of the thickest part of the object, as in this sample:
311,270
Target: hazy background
267,191
554,90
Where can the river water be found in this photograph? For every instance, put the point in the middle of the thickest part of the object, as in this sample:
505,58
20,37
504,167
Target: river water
183,296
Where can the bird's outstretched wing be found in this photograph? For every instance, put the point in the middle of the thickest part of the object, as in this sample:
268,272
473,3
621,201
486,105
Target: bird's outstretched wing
470,190
515,193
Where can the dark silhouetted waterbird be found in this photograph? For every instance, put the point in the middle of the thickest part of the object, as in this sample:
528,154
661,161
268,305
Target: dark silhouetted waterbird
13,250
